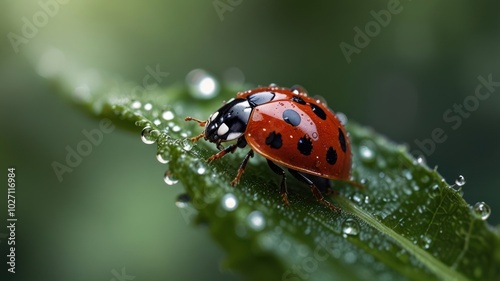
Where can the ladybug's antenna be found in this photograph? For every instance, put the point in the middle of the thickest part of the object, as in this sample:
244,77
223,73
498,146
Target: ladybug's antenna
201,123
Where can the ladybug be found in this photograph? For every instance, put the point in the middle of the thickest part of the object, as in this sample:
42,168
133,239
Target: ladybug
289,129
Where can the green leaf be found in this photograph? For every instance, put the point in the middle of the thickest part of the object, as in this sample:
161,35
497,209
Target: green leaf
408,224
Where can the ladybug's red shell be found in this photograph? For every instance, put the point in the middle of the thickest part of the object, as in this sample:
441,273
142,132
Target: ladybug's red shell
300,133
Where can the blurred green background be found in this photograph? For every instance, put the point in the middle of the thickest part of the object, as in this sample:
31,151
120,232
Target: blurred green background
114,211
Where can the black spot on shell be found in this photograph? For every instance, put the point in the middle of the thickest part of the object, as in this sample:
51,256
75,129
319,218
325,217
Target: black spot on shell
305,145
331,156
291,117
274,140
342,140
318,111
298,100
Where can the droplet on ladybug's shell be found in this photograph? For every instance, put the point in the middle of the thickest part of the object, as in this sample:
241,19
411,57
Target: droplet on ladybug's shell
320,100
342,118
201,84
298,90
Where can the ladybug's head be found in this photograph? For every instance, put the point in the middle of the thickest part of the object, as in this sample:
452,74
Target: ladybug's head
229,122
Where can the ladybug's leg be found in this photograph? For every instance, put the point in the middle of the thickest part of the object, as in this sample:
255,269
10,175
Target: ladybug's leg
218,155
323,184
314,189
241,169
230,149
283,190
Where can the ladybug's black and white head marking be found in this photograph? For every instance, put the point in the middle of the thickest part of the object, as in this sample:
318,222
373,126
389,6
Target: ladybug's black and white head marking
230,121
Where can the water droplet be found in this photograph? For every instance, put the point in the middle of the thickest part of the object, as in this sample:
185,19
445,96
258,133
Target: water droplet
229,202
183,200
136,104
357,198
176,128
162,157
256,220
482,210
342,118
201,170
350,227
149,135
201,84
421,160
460,181
157,122
425,179
148,106
320,100
426,241
186,144
408,175
167,115
169,178
366,154
234,76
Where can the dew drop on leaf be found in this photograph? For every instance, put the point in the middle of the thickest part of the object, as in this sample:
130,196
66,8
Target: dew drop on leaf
149,135
482,210
256,220
350,227
136,104
176,128
148,106
229,202
418,158
167,115
460,181
198,167
366,153
162,157
169,178
357,198
186,145
183,200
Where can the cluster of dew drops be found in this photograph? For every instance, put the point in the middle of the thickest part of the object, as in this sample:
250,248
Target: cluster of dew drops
201,86
368,155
